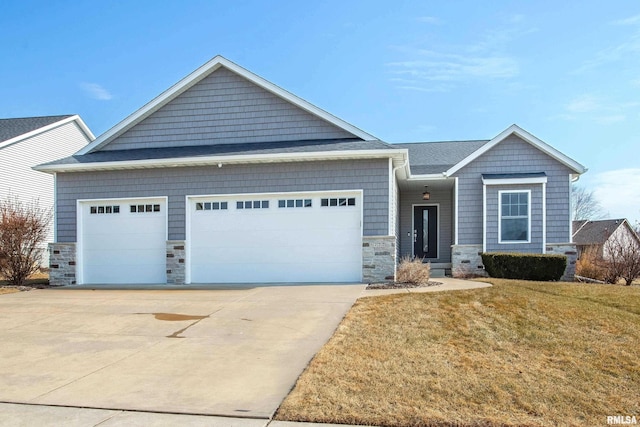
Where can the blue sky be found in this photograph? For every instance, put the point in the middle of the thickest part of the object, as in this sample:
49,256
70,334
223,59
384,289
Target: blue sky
568,72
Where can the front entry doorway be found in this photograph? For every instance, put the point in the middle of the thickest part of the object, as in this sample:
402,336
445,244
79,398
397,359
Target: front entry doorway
425,231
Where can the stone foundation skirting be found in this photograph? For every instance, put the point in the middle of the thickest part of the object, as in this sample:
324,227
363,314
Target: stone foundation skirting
62,264
175,262
570,251
378,259
466,261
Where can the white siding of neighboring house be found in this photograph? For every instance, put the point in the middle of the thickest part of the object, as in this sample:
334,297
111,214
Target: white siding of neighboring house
622,235
16,160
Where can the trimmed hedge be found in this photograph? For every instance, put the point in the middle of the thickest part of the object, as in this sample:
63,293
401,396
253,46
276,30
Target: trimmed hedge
524,266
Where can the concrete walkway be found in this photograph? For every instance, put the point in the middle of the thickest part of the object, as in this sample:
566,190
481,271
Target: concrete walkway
83,358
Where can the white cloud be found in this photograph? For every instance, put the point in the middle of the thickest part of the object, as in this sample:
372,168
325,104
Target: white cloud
483,59
601,111
619,193
95,91
583,104
607,120
429,20
623,51
628,21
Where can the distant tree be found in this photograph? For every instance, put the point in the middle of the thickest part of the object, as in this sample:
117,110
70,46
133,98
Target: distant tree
585,205
23,232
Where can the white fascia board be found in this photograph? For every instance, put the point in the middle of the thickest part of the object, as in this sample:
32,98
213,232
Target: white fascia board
395,155
526,136
515,181
199,74
49,127
84,127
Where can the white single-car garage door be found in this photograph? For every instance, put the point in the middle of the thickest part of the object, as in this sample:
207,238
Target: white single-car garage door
275,238
122,241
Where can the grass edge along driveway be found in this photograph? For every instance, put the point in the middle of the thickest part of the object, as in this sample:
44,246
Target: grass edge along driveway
518,353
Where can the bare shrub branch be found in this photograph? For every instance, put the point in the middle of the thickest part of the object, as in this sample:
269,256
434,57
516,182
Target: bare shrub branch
622,255
413,271
23,233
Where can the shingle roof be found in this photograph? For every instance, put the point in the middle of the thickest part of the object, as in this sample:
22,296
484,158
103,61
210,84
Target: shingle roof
225,150
437,157
594,232
10,128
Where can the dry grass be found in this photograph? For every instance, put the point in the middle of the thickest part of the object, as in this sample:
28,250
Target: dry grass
8,290
519,353
413,271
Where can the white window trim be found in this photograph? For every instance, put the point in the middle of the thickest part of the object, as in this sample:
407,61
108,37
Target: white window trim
500,241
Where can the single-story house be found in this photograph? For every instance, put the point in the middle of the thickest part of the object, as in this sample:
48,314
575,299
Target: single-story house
28,141
593,237
228,178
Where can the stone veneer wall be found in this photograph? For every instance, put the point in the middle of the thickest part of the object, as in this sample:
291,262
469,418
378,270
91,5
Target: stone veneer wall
62,264
466,261
175,262
569,250
378,259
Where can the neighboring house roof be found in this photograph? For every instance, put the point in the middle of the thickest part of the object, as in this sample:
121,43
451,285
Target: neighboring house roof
587,232
18,129
199,74
436,157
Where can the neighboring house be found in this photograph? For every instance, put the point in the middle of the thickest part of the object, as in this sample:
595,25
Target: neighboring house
28,141
227,178
592,237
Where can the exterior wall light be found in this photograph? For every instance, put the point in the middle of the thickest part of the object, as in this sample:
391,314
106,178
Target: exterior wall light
426,195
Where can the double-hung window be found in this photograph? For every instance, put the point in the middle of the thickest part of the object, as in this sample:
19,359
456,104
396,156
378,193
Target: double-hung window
515,214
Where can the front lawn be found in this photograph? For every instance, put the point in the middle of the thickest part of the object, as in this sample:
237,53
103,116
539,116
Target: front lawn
518,353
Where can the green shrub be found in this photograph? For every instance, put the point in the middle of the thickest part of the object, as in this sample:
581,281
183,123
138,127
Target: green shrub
523,266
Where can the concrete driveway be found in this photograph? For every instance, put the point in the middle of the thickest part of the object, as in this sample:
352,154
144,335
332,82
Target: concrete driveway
219,352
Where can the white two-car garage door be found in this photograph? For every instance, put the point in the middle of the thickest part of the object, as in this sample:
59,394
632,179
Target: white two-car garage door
122,241
275,238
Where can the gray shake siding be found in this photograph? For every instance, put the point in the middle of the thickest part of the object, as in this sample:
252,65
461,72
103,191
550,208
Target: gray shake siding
369,175
442,198
224,108
513,155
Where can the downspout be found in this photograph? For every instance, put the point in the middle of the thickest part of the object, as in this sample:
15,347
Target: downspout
393,175
544,218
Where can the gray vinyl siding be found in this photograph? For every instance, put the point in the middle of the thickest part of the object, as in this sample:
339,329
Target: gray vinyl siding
513,155
442,198
224,108
493,218
371,176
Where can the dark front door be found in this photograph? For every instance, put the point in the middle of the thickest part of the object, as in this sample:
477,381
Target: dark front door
425,231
